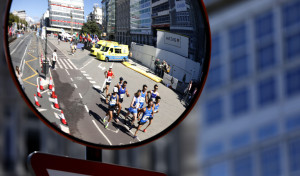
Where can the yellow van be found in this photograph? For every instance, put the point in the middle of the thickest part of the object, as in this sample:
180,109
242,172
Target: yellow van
96,47
114,53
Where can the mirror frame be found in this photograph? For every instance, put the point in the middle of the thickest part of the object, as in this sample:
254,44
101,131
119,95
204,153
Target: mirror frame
205,70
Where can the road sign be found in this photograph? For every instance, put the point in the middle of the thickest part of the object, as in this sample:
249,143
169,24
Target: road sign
52,165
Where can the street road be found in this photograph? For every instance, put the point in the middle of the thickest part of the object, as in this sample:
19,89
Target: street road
78,80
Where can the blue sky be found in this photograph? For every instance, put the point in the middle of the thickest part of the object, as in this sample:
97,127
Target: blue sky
36,8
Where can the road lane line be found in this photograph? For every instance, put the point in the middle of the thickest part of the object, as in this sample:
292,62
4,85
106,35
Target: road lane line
66,64
87,64
101,132
75,86
80,95
83,72
97,87
93,82
22,60
86,108
89,78
67,72
18,45
86,75
71,79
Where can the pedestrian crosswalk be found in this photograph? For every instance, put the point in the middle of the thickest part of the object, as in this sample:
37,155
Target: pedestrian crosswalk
65,64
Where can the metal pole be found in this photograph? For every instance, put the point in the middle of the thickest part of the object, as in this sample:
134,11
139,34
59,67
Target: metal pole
93,154
71,24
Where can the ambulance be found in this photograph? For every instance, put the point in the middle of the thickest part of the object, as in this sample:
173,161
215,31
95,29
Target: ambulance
97,47
114,53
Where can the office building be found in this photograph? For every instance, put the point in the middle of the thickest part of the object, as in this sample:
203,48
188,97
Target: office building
95,15
109,18
160,16
250,117
21,14
66,14
140,22
123,21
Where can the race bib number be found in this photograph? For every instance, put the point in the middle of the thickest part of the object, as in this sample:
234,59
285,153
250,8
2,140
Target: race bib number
113,102
142,100
145,118
108,79
122,96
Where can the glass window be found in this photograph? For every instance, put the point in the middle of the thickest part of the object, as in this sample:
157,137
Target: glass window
218,169
240,101
270,162
237,36
267,131
294,155
239,67
292,78
214,111
266,91
243,166
240,140
214,149
293,123
292,46
215,77
291,14
266,57
216,45
264,25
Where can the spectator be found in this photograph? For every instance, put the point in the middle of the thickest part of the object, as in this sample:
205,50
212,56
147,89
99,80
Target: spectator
157,63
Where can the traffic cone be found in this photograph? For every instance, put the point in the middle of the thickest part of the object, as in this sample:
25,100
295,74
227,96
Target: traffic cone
56,103
38,92
36,101
41,84
50,84
53,92
62,118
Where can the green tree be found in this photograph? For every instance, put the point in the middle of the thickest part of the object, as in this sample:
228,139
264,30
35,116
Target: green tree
91,27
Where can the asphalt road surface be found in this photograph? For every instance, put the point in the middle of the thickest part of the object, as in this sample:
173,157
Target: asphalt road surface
78,81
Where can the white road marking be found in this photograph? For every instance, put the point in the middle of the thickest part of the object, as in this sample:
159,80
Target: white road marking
103,84
55,108
83,72
101,132
64,129
63,64
22,61
89,78
86,108
102,68
41,110
58,62
86,75
67,64
67,72
87,64
71,79
72,64
114,131
80,95
18,45
66,60
75,86
93,82
97,87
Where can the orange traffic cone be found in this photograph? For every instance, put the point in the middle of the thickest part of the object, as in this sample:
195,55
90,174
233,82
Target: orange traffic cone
56,103
50,84
36,101
62,118
53,93
38,92
41,84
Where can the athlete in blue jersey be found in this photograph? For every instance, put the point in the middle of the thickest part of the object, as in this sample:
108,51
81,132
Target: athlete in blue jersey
134,107
153,93
120,83
147,113
155,110
114,100
122,92
143,99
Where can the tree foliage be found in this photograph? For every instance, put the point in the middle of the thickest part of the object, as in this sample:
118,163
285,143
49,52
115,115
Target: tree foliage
13,18
91,27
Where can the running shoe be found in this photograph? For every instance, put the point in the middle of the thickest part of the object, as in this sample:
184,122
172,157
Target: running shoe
104,120
134,137
106,125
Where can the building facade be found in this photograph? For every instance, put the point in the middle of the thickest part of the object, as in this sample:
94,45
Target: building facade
66,14
123,22
95,15
21,14
250,120
140,21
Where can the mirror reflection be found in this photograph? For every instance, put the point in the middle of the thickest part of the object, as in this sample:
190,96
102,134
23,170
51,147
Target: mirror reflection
109,73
